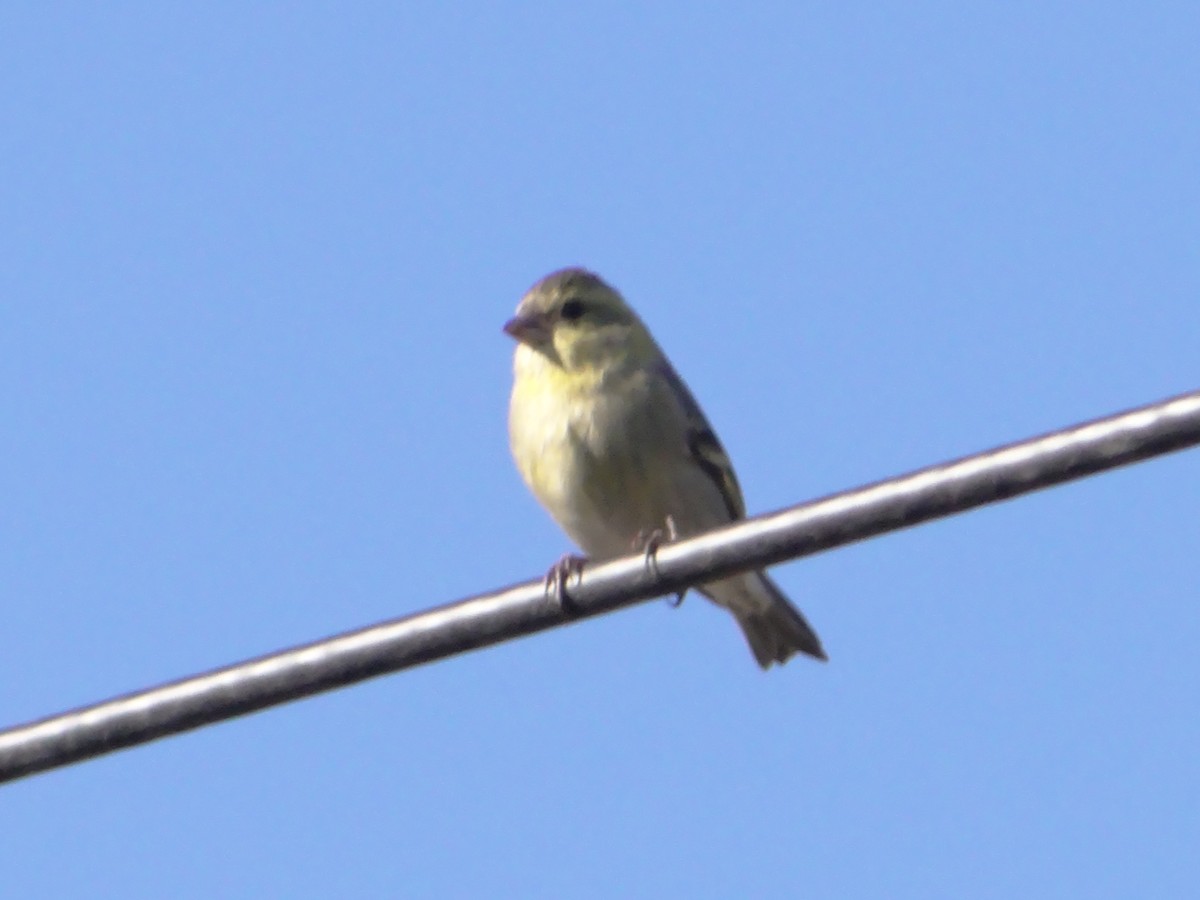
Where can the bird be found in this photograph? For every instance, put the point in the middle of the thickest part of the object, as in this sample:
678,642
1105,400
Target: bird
611,442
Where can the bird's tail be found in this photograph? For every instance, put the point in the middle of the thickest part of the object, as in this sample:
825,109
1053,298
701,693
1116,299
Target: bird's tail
774,629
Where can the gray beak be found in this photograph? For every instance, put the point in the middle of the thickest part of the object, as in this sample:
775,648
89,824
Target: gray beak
532,328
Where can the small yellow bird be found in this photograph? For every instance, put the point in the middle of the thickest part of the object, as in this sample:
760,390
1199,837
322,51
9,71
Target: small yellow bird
611,442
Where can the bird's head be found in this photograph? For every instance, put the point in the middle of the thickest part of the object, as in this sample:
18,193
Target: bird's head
576,321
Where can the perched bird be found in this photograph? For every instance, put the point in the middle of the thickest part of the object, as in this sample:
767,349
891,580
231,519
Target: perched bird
611,442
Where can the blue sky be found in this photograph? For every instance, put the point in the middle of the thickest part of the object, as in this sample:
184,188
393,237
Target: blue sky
257,260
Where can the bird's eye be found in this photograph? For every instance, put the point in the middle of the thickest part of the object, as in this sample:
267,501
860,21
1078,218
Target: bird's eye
572,310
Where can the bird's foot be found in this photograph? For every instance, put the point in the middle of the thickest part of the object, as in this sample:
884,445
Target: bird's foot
649,540
568,566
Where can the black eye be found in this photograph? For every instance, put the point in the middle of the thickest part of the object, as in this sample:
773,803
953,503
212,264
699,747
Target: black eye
572,310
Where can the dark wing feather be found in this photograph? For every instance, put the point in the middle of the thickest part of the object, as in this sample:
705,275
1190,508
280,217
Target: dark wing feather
702,443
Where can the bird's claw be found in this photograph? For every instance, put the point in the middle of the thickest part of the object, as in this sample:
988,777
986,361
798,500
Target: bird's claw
649,541
568,566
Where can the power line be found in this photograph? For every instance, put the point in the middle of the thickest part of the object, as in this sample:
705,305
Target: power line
479,621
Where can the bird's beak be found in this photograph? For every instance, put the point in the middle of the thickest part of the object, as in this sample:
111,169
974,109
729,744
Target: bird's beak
532,329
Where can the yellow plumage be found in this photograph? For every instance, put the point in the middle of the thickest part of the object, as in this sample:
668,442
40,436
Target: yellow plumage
610,440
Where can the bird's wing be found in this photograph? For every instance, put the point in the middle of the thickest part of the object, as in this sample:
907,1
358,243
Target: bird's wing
702,445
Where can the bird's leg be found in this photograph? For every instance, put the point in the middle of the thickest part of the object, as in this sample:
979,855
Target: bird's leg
650,541
568,566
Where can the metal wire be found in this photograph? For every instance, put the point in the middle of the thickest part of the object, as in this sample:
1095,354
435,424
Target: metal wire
523,609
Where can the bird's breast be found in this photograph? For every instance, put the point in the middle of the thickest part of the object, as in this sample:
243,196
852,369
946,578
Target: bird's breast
583,454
